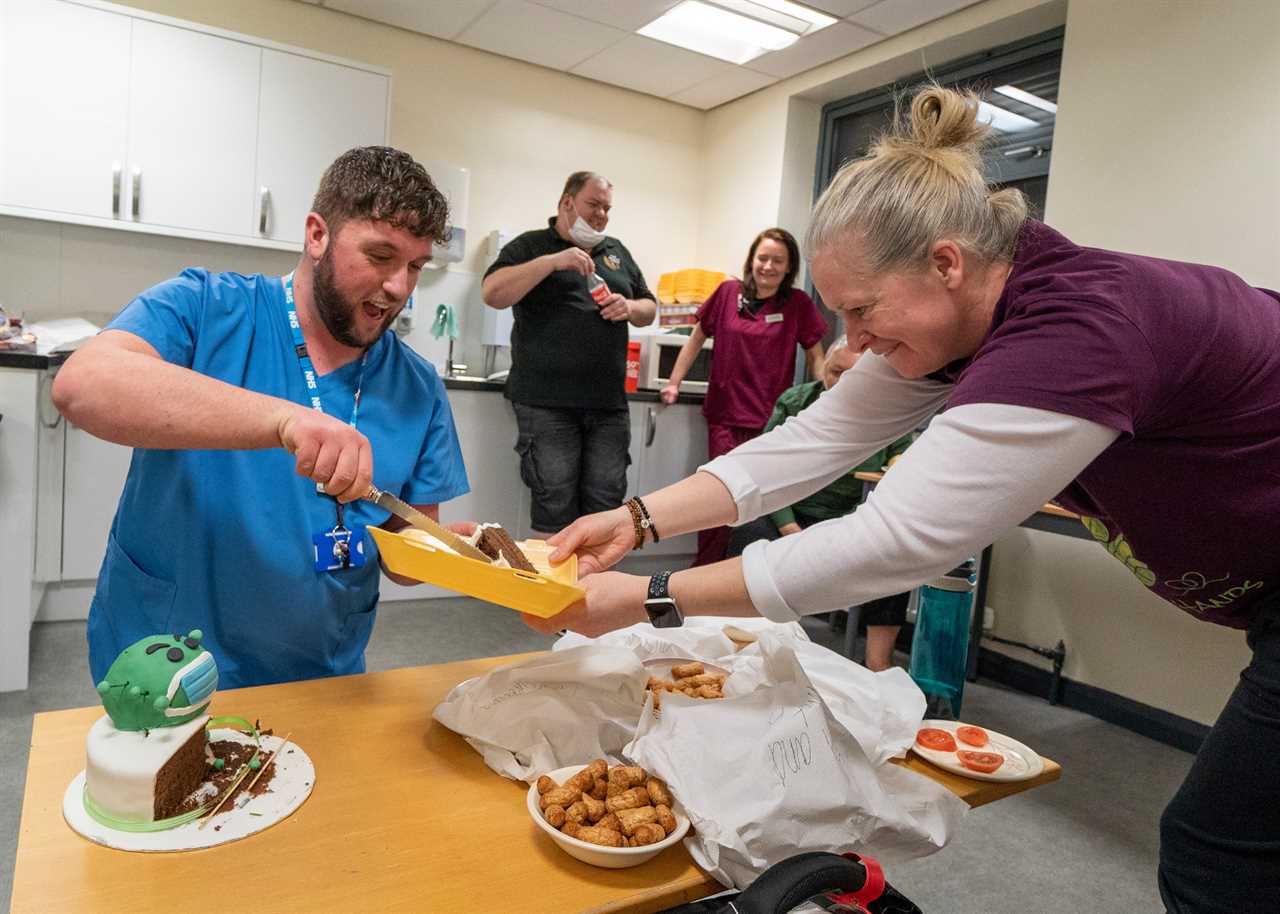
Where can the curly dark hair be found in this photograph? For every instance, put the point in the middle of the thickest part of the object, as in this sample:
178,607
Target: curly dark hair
382,184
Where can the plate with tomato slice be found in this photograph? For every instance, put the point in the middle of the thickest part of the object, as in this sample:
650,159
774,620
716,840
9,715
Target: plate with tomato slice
975,752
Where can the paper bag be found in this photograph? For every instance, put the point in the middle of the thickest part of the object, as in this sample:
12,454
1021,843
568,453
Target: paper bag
881,710
550,711
774,772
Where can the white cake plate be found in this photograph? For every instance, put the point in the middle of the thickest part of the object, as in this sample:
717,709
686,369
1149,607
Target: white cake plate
294,778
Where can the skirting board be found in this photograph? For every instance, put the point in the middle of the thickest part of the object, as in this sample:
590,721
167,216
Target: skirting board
1134,716
1145,720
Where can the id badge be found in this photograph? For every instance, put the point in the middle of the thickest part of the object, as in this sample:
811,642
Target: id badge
339,548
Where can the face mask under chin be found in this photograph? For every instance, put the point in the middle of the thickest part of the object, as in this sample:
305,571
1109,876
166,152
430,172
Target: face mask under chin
583,235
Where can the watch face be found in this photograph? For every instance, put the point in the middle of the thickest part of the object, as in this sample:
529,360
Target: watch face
663,613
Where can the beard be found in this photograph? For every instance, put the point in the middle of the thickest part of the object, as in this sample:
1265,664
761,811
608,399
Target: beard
337,312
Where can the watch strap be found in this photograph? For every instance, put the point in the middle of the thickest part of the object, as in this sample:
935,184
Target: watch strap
658,585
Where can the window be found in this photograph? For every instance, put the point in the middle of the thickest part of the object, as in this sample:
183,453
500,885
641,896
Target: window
1023,114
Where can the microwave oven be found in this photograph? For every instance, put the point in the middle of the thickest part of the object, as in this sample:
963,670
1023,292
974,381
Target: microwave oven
658,358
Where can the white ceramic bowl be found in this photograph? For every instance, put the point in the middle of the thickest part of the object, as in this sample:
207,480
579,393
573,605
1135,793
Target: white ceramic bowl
612,857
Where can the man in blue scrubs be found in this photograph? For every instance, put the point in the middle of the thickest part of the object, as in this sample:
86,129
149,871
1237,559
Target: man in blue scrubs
240,394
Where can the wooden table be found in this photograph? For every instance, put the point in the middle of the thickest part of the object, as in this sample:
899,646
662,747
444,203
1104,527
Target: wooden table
405,816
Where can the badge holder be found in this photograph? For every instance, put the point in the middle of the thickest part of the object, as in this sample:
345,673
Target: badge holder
339,548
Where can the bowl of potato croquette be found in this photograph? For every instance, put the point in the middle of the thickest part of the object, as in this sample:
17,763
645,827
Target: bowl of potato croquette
613,816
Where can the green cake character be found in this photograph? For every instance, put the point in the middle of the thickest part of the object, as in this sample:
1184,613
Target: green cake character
159,681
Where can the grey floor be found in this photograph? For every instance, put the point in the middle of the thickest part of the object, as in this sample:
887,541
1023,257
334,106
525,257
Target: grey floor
1087,843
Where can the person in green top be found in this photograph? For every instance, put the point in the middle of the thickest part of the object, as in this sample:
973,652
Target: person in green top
885,616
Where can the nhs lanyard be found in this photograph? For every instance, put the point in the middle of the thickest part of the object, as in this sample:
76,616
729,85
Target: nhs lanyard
304,360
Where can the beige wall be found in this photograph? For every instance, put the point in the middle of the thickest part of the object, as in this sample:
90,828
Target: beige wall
1165,144
519,128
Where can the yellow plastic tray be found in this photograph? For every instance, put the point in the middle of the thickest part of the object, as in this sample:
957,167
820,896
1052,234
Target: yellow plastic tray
544,594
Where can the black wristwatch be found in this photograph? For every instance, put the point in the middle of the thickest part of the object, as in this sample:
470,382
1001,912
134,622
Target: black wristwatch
660,605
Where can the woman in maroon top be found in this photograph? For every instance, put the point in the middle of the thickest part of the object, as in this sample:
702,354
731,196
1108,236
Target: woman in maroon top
1142,393
756,324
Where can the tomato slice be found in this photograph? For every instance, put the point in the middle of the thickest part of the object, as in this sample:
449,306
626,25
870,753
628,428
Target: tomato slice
986,762
938,740
974,736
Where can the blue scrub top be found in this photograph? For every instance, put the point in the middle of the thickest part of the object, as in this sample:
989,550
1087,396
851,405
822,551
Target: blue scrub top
222,540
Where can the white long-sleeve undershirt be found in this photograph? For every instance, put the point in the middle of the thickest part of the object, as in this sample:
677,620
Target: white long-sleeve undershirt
977,471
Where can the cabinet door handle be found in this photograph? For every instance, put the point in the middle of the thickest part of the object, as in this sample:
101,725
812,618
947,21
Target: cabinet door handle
650,425
115,190
264,200
137,192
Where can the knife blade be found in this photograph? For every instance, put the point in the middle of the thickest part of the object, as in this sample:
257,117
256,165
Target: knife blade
417,519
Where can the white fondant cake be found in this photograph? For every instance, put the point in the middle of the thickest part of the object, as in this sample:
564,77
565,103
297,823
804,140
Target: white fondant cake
122,765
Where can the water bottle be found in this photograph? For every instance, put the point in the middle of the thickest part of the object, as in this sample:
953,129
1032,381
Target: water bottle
598,289
940,648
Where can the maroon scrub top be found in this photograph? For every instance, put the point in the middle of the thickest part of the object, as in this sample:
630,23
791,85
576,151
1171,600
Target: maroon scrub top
753,360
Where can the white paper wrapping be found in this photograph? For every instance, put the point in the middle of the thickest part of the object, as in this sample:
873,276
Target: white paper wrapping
774,772
882,711
562,708
700,638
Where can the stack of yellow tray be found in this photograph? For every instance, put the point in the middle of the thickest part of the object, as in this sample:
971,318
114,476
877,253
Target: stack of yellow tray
550,591
696,285
687,286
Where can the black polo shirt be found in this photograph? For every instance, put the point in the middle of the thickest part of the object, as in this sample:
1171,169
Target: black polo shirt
563,353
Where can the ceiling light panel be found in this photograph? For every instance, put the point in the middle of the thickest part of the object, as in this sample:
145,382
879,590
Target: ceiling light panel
812,17
717,32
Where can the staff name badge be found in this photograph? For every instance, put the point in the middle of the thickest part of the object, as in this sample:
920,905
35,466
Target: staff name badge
774,318
339,548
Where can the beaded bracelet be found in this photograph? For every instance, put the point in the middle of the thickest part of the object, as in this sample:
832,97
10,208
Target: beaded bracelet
648,521
640,520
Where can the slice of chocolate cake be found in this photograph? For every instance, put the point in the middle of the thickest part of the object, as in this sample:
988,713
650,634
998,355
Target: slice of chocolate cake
496,543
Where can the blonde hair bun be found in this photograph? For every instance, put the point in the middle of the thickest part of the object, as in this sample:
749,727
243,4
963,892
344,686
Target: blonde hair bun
921,181
944,118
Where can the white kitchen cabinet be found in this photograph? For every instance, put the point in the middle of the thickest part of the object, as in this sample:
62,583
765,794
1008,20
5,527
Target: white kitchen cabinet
192,129
92,482
64,102
120,118
311,111
668,443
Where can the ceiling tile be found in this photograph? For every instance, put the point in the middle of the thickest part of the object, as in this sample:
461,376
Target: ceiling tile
724,88
839,8
442,20
539,35
829,44
627,15
651,66
893,16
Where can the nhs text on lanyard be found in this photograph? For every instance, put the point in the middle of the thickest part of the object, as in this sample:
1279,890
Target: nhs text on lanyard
337,548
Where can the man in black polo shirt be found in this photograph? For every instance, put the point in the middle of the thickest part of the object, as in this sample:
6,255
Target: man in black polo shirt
569,353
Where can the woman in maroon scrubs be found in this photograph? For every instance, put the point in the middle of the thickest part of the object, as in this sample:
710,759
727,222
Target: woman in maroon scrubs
756,323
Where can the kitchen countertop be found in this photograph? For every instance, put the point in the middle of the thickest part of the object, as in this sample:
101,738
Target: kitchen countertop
31,360
640,396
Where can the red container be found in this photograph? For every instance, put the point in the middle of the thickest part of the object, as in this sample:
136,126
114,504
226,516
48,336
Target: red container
633,366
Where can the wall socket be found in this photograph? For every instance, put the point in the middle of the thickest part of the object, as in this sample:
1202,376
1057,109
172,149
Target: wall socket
988,619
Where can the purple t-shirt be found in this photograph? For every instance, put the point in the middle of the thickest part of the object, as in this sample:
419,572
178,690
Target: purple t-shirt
1184,361
754,357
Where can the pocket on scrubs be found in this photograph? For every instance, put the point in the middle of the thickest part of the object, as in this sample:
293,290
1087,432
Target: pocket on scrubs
349,656
138,603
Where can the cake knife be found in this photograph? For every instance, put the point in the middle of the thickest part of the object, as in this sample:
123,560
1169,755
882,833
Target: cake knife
417,519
